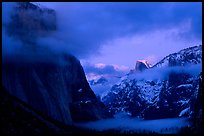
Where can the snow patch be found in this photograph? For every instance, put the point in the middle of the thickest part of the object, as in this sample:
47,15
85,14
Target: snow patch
183,102
184,85
184,112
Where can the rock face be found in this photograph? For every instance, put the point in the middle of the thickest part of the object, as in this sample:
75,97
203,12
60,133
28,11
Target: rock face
30,22
59,90
141,65
172,94
51,83
18,118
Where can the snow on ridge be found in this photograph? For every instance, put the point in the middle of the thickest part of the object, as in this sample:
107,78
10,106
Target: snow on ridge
185,111
184,85
180,56
183,102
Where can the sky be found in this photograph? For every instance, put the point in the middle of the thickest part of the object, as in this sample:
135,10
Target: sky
108,37
123,32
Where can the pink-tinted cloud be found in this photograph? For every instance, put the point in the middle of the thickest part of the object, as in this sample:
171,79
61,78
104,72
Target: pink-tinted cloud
94,71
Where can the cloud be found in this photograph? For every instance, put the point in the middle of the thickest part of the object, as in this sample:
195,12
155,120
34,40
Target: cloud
103,69
6,11
19,42
9,45
127,124
152,45
84,28
95,71
163,73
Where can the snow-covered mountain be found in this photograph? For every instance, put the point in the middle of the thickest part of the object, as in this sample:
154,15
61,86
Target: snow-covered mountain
49,82
102,80
103,85
176,98
132,96
161,91
191,55
140,66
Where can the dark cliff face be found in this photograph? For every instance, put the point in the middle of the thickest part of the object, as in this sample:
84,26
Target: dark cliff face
51,82
140,66
17,117
58,89
30,22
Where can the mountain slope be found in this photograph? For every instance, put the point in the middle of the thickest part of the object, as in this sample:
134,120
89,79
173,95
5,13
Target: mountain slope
159,92
191,55
17,117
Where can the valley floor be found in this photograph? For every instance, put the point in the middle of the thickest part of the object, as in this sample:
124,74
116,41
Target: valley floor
135,125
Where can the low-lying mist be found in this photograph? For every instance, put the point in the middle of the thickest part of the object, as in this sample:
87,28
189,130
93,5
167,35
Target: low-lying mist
170,125
163,73
31,42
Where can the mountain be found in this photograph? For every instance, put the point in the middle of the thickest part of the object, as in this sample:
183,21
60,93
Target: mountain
59,90
176,98
52,83
30,22
102,80
131,96
141,65
17,117
160,92
102,85
191,55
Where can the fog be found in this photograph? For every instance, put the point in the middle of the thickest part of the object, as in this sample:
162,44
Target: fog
41,48
163,73
170,125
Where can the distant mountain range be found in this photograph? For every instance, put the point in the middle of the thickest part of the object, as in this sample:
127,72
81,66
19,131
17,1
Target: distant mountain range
101,81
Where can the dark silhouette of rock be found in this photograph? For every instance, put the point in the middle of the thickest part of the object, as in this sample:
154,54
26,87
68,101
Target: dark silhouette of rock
141,65
53,83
